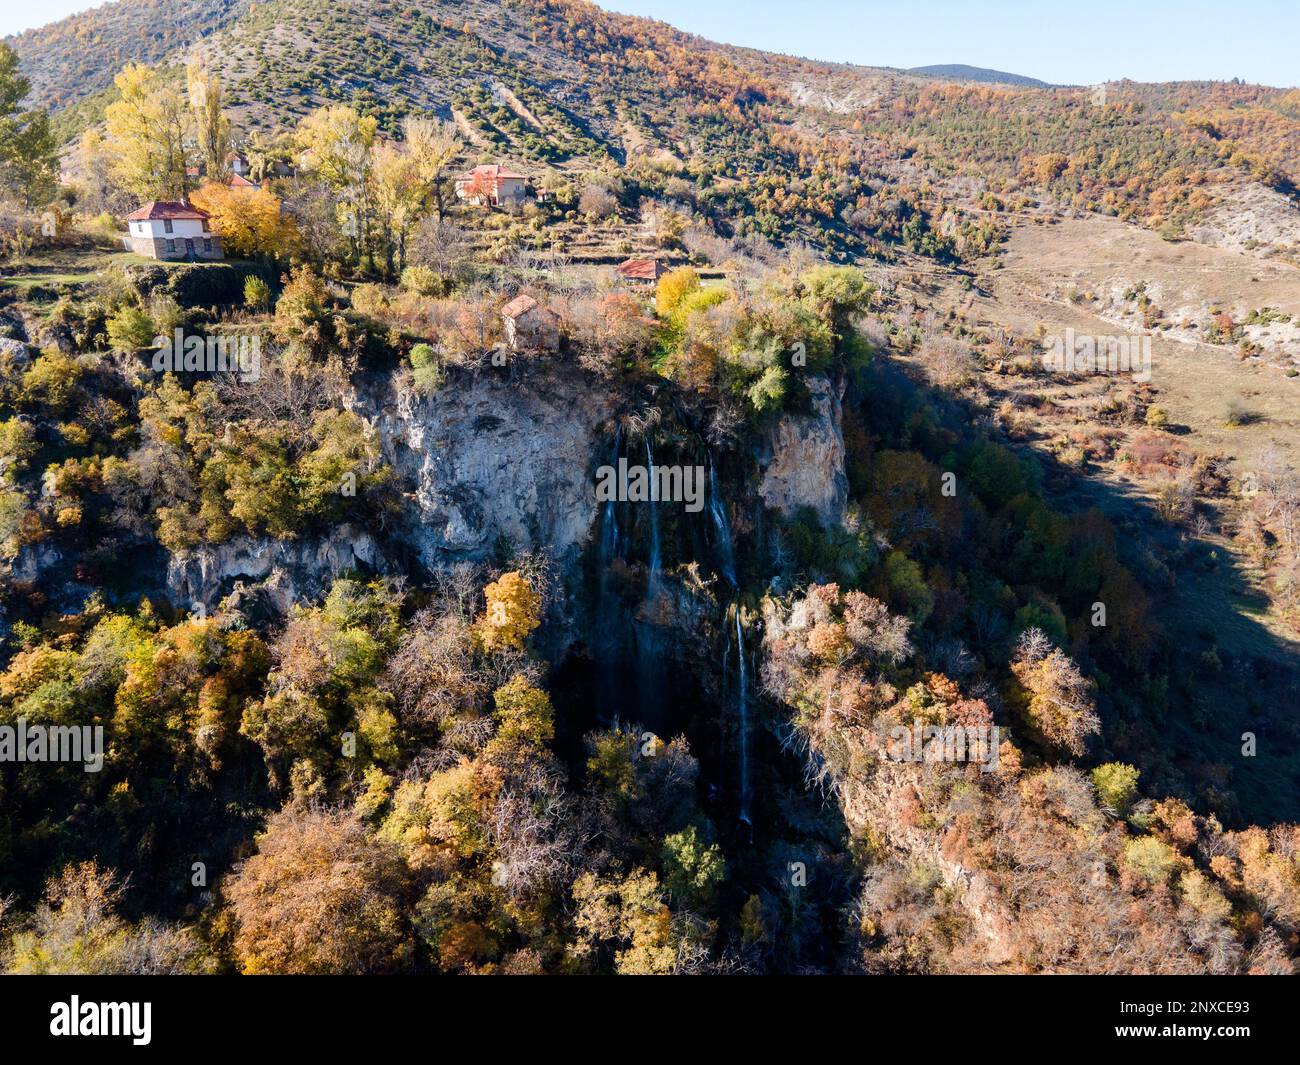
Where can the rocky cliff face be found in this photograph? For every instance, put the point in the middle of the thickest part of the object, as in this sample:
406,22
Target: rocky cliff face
806,463
281,572
485,458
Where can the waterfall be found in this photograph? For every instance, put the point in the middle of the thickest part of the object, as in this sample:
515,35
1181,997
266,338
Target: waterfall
654,524
609,536
649,650
606,639
718,512
726,565
742,707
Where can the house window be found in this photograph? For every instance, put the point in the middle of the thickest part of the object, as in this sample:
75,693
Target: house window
171,246
167,225
207,244
205,226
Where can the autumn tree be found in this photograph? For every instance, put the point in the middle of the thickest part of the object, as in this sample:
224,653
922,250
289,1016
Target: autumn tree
1055,696
673,287
147,129
524,714
337,144
431,146
627,916
408,178
839,295
513,611
249,222
211,127
97,190
301,316
1116,785
320,896
693,867
78,930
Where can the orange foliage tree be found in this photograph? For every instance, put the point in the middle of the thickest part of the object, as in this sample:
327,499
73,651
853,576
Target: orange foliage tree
248,221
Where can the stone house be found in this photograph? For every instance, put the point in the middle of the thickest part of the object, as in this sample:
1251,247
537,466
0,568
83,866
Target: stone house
529,326
171,229
492,185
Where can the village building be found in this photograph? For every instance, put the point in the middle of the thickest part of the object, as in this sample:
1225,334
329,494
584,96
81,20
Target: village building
237,162
529,326
492,185
238,181
171,229
641,271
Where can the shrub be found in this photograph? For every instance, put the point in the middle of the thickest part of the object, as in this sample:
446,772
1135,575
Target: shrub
427,372
131,330
1151,859
300,313
1116,785
423,280
1157,418
257,294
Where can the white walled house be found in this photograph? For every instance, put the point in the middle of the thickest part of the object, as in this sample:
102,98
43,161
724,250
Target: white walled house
171,229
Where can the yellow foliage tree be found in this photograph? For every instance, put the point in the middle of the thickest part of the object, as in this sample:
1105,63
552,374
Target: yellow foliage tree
248,221
524,713
211,127
673,287
629,914
147,129
337,144
513,611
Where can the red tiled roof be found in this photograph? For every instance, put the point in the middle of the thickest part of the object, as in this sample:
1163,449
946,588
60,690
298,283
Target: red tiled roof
492,172
519,305
238,181
165,209
641,269
522,305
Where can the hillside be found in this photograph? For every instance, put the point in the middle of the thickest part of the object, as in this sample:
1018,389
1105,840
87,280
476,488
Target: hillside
77,57
962,72
434,590
563,83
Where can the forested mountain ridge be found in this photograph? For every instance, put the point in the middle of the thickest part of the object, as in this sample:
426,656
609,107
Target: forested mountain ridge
548,589
962,72
566,82
78,56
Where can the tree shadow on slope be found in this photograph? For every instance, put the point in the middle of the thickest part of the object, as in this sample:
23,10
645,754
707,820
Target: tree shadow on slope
1212,715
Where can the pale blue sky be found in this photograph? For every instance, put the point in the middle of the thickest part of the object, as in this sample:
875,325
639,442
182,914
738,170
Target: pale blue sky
1075,43
1054,40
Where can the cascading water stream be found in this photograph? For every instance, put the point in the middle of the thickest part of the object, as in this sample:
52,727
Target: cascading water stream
742,705
648,639
718,511
606,641
653,585
727,566
609,535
